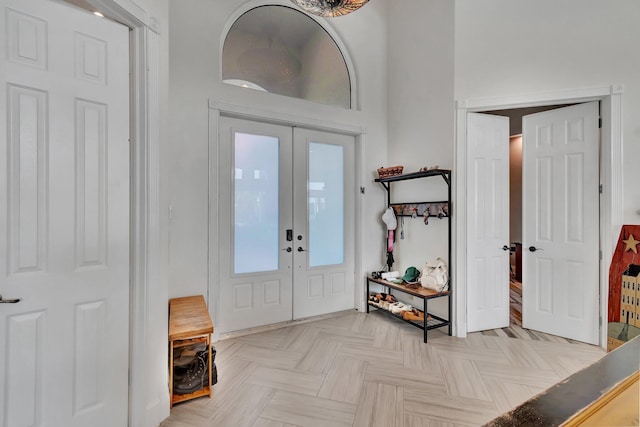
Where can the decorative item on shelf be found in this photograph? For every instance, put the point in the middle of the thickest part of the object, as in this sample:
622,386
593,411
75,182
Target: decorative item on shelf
429,168
390,275
390,171
330,8
435,275
411,275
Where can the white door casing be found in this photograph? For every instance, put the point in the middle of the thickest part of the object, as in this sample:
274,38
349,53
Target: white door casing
64,223
561,220
611,214
325,288
487,222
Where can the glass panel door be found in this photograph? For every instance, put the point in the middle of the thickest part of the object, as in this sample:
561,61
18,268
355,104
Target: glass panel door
255,188
256,211
326,204
286,224
324,190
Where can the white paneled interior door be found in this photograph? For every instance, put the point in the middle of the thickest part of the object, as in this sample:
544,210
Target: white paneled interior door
488,222
64,216
286,234
561,222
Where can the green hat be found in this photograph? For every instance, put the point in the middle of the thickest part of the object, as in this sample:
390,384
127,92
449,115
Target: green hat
411,275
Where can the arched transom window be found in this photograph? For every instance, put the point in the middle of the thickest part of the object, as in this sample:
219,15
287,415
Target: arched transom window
280,50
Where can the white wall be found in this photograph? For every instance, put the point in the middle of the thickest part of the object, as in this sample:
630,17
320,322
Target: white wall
435,52
196,29
421,118
507,47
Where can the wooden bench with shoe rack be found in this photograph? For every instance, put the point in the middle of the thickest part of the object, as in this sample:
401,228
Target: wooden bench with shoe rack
427,321
190,330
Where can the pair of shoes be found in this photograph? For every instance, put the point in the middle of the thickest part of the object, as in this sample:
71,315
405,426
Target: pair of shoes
214,374
195,377
399,308
386,297
186,355
414,314
185,361
214,369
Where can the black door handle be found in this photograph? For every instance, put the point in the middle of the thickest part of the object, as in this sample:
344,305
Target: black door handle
300,249
505,248
533,249
9,301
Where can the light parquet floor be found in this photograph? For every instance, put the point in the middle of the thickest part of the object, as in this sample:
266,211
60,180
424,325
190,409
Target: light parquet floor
361,369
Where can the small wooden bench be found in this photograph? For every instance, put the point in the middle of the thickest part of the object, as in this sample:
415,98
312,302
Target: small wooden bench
189,324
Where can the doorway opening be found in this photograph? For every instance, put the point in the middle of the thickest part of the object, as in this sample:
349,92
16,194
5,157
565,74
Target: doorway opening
611,202
288,250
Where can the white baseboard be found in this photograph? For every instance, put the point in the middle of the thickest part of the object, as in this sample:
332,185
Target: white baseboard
265,328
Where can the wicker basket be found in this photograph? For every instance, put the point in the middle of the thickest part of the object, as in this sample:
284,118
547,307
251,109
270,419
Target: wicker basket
390,171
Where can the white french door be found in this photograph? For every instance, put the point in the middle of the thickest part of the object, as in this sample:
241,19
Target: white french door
323,206
64,216
286,216
487,222
561,222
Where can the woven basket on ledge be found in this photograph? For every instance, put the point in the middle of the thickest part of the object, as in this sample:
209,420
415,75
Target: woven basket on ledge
390,171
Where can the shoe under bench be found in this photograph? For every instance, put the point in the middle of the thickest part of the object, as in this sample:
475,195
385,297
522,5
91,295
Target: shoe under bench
189,325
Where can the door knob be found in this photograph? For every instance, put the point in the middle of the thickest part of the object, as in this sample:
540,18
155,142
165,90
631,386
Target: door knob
301,249
505,248
9,301
533,249
288,249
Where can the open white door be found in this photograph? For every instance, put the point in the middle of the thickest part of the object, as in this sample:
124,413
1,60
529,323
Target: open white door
64,216
560,222
488,222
